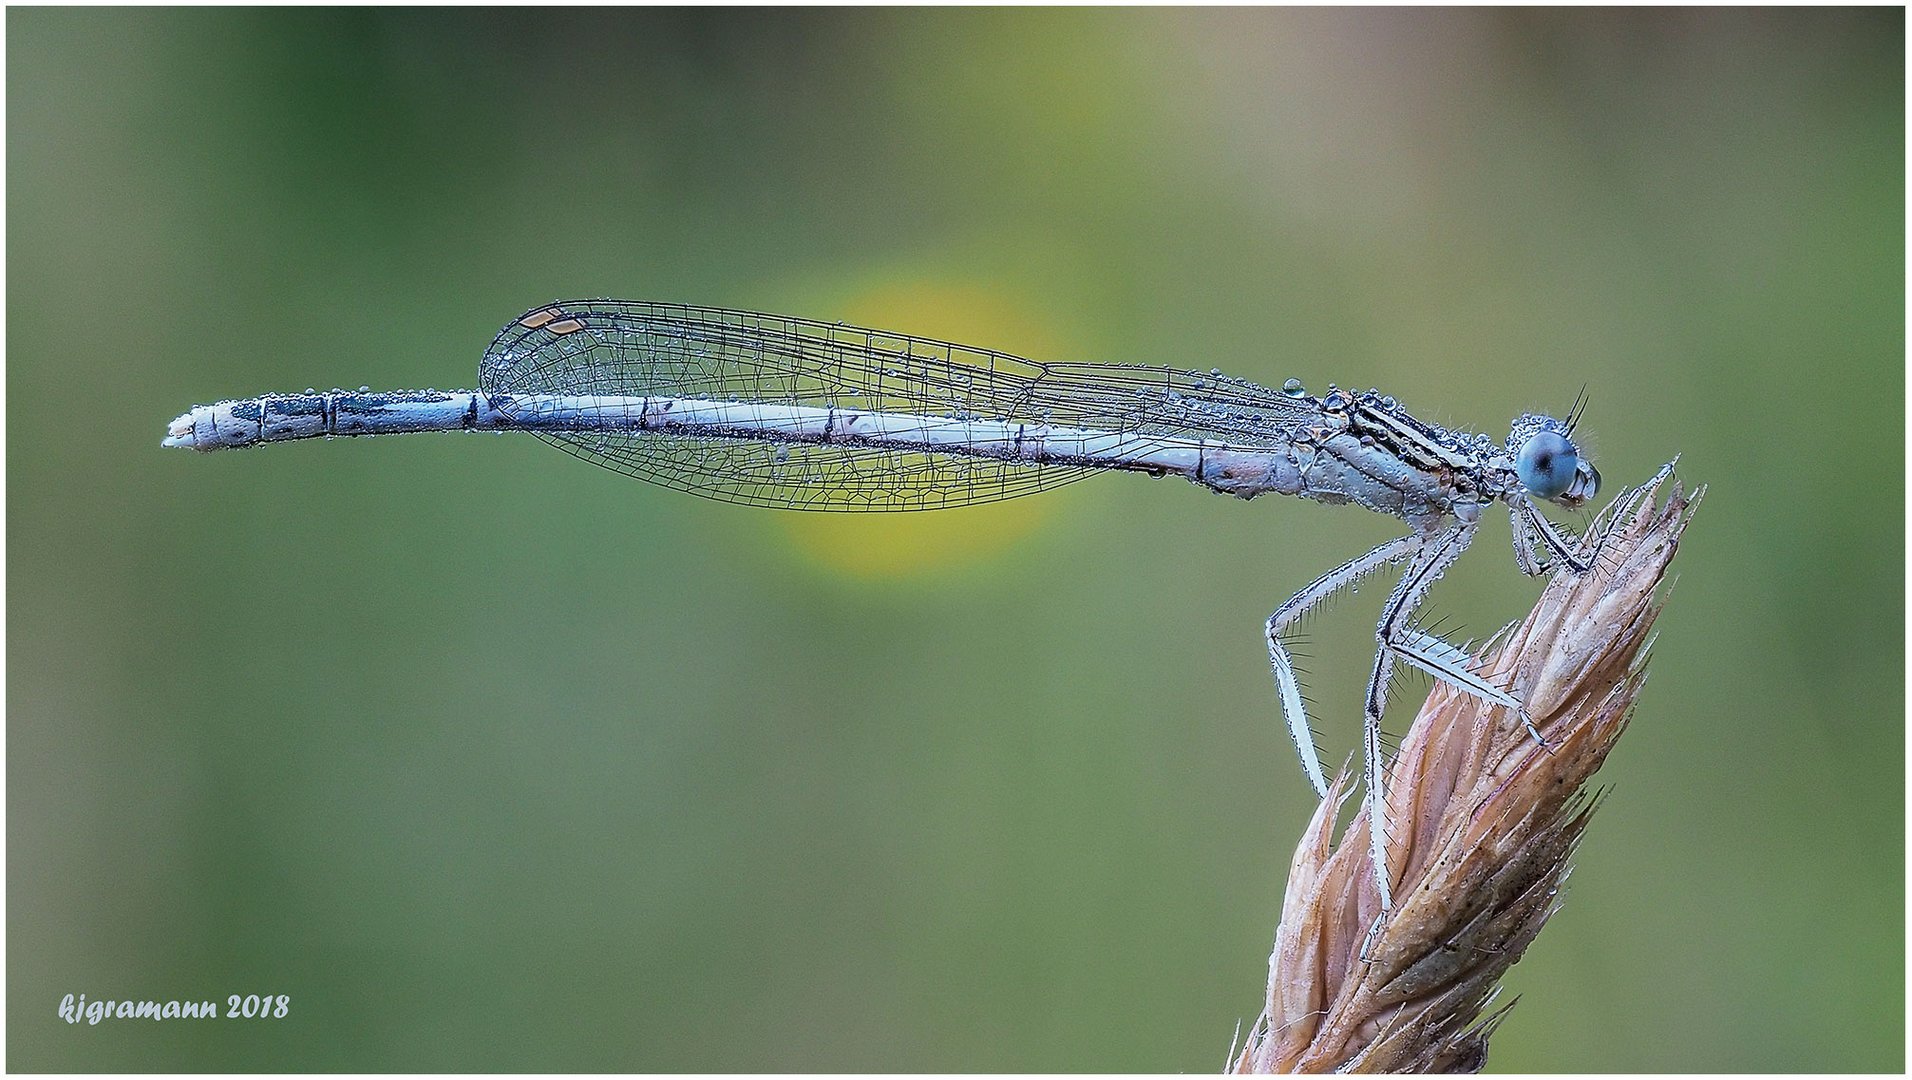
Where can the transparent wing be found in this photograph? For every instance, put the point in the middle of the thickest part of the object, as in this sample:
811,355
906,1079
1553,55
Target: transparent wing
637,348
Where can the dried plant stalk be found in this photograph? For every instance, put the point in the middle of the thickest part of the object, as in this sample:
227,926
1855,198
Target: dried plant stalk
1483,823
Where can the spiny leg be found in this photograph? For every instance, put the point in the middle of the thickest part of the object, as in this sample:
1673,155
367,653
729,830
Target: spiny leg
1286,683
1432,557
1448,663
1527,551
1455,667
1544,542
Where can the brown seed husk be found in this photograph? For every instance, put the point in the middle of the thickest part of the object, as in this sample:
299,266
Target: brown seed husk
1483,822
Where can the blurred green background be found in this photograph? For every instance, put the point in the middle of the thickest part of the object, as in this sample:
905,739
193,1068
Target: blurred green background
493,760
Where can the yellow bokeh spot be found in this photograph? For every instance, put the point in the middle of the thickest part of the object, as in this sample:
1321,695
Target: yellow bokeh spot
896,545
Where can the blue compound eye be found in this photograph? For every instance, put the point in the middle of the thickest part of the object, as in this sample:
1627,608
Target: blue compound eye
1546,464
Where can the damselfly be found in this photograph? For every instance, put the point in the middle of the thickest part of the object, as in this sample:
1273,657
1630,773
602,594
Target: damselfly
783,412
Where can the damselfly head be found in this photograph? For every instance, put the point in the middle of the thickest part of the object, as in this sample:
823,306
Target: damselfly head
1548,463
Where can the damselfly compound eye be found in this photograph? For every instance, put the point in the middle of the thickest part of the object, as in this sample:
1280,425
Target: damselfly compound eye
1546,464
